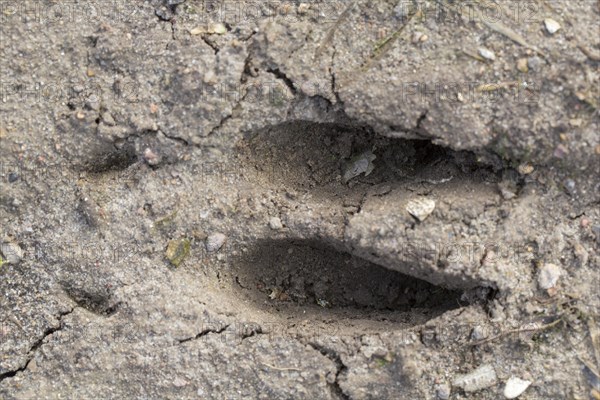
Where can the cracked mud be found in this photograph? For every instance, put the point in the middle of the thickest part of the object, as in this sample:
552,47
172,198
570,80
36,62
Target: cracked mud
320,200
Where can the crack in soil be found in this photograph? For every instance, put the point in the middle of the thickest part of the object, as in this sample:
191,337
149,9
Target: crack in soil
174,138
282,76
204,333
210,44
331,354
36,345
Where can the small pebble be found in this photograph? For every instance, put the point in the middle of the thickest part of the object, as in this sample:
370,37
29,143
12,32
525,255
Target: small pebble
596,230
92,103
303,8
210,78
151,157
108,119
179,382
584,222
551,26
534,63
275,223
561,151
215,241
548,276
12,253
570,187
478,333
13,177
515,387
177,251
481,378
487,54
420,208
525,169
164,13
576,122
360,164
443,391
428,336
506,193
217,28
419,37
522,65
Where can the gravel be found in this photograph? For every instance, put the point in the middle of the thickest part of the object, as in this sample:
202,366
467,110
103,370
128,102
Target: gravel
481,378
548,276
215,241
515,387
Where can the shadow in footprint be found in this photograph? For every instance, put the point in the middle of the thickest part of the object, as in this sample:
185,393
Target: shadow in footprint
308,280
317,157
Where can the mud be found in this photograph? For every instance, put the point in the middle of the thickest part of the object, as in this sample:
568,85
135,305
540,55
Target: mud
287,150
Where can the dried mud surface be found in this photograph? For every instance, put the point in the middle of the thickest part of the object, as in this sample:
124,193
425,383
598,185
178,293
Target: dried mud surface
210,200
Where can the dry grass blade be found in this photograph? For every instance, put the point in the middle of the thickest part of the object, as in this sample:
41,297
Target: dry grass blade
333,29
385,45
474,55
518,330
595,339
589,53
512,35
278,368
498,27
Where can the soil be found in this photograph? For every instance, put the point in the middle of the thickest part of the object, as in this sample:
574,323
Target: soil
286,200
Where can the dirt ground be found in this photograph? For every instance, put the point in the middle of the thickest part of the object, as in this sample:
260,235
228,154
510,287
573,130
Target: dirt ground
300,200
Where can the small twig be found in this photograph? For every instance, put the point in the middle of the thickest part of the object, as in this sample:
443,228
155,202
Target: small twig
280,369
589,53
595,339
333,29
474,55
518,330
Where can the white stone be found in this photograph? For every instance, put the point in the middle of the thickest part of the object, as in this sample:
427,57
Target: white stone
12,253
548,276
443,391
481,378
478,333
361,164
420,208
275,223
515,387
218,28
215,241
551,26
487,54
